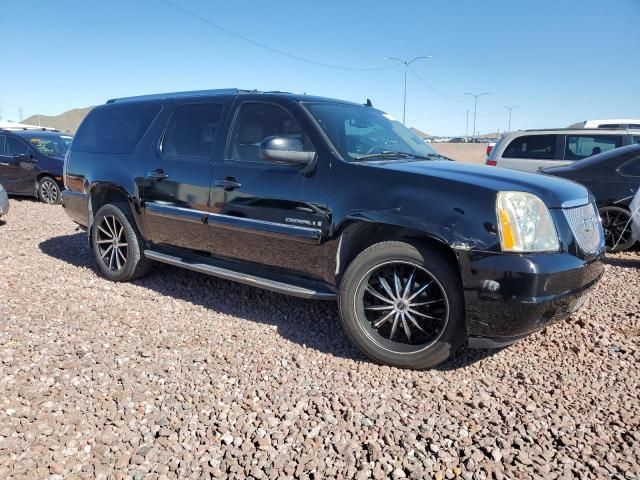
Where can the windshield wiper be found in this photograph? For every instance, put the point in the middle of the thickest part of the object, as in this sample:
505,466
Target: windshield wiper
390,154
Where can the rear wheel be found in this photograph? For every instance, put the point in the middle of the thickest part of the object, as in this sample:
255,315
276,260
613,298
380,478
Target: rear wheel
48,191
117,244
402,305
617,228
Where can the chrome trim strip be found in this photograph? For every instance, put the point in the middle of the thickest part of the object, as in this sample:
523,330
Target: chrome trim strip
176,213
306,234
255,281
578,202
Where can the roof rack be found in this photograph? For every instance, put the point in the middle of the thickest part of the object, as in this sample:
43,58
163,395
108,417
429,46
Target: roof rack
195,93
41,129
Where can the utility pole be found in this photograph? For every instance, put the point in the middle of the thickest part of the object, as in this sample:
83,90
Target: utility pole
510,108
475,110
466,132
406,67
20,116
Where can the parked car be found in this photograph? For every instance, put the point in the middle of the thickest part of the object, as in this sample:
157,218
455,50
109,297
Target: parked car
326,199
613,177
530,150
4,202
31,161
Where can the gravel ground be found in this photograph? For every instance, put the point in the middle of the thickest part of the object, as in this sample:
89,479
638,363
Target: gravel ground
179,375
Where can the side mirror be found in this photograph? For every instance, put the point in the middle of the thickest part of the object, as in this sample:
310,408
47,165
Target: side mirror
286,150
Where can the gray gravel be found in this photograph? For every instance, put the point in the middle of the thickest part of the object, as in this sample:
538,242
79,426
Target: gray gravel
180,375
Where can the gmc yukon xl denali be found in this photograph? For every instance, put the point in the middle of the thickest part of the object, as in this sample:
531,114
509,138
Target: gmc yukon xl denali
327,199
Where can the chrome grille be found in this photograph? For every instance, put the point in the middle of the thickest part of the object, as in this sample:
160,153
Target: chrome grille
586,227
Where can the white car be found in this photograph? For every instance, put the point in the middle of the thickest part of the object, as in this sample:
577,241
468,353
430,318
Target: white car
612,123
530,150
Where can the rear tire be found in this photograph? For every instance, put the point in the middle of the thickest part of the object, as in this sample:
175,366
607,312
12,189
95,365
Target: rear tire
402,305
117,245
48,191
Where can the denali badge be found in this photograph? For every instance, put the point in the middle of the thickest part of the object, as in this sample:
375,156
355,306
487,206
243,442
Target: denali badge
588,224
301,221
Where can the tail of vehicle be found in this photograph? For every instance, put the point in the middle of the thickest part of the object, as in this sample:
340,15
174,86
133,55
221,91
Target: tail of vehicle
489,161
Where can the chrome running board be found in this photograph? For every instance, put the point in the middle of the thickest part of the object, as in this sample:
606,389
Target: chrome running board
248,279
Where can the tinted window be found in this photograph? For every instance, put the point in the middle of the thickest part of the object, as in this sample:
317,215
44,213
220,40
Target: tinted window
13,146
582,146
541,147
257,121
635,139
191,130
114,129
2,137
631,168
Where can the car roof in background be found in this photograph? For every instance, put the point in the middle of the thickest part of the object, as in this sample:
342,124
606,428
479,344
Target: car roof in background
577,131
39,133
605,156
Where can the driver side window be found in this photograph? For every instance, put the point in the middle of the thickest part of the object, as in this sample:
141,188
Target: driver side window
257,121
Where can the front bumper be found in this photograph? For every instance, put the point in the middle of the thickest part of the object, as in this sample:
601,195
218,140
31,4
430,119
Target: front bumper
509,296
4,202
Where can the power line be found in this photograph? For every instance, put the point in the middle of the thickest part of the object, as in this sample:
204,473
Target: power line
267,47
446,97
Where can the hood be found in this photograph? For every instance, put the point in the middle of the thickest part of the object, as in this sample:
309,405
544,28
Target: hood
552,190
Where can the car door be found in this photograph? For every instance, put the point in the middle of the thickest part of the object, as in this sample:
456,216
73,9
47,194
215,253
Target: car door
17,169
176,191
263,213
531,152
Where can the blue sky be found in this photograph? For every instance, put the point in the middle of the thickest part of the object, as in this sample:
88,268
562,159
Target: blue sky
560,61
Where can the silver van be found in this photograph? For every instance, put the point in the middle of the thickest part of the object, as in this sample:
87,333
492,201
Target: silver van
530,150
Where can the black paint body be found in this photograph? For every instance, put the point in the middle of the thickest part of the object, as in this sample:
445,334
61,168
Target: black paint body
305,227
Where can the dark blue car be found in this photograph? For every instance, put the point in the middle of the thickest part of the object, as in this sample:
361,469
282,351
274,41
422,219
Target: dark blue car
31,162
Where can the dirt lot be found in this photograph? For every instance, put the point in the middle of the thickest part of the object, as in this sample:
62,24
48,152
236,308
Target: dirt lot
180,375
463,152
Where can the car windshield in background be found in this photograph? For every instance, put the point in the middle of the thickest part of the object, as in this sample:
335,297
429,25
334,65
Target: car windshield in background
51,145
360,132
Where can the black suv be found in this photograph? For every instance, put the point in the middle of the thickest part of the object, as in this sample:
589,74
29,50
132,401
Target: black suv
31,161
327,199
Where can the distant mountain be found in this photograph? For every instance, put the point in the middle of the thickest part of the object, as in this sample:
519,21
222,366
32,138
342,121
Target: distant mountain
419,133
65,122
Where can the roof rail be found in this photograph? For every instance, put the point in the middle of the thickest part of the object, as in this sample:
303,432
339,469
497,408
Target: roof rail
42,129
195,93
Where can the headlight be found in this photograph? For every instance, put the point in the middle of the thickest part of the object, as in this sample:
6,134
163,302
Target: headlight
525,224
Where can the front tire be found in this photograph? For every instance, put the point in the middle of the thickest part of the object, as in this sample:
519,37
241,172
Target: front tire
117,245
48,191
617,229
402,305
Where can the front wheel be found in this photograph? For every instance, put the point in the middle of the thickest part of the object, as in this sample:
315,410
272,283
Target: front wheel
117,244
48,191
402,305
616,223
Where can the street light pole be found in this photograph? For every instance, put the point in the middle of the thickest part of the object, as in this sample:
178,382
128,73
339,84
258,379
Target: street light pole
510,108
406,68
475,111
466,132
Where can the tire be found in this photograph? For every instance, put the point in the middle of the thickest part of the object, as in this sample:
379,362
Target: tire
430,342
48,191
124,261
617,228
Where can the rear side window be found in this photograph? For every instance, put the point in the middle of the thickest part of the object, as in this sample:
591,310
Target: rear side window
583,146
13,146
2,137
539,147
631,168
114,129
635,139
192,130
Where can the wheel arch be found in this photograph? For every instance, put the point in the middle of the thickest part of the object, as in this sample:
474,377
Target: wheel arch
101,194
356,235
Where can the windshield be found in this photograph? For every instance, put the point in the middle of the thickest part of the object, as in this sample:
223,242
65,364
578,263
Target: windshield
360,132
50,145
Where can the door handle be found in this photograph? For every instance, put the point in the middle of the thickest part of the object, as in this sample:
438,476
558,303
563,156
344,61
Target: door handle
157,174
227,183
